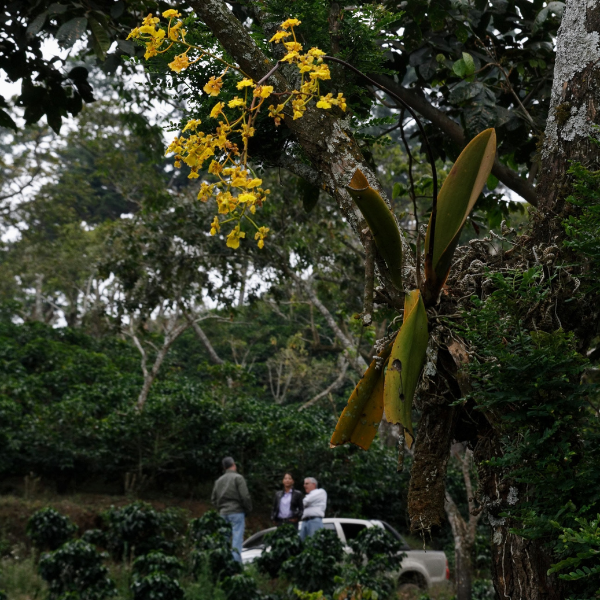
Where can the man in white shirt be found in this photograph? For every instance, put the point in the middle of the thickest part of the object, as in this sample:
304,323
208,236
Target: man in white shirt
315,504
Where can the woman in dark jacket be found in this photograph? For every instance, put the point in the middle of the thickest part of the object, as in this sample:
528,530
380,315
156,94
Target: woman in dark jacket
287,504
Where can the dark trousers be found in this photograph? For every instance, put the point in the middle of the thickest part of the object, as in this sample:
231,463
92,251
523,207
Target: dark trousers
280,522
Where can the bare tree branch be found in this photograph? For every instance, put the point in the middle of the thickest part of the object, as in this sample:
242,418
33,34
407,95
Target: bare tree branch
334,386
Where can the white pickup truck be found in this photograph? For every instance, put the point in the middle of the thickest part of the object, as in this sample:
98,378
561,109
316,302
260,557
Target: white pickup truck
419,568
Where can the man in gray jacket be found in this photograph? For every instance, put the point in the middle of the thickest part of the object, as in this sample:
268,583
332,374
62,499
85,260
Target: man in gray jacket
231,497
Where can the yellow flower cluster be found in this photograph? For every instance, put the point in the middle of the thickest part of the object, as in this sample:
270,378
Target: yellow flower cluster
237,191
154,37
312,69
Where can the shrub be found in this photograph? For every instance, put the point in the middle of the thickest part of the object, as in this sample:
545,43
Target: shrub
157,562
76,570
156,586
210,530
368,571
281,544
3,595
137,529
240,587
48,529
211,537
316,566
96,537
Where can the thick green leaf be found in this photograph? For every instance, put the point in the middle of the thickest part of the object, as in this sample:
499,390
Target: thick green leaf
100,39
405,364
455,201
69,32
360,419
381,223
36,25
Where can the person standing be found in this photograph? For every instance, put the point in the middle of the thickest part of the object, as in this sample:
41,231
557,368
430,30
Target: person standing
315,504
287,504
231,497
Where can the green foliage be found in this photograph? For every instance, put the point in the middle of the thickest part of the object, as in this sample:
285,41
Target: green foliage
156,586
280,545
369,570
528,381
317,565
209,531
48,529
582,228
156,561
76,570
580,547
240,587
67,414
138,529
482,589
211,537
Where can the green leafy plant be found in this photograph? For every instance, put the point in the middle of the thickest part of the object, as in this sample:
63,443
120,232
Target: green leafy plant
448,216
211,536
240,587
76,570
382,224
280,545
48,529
369,570
138,529
583,546
155,562
157,586
317,565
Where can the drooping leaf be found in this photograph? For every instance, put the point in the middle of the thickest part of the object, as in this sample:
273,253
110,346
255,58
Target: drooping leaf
360,419
69,32
455,201
100,39
381,223
36,25
406,361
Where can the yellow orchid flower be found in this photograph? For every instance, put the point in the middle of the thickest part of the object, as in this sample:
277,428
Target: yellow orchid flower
233,239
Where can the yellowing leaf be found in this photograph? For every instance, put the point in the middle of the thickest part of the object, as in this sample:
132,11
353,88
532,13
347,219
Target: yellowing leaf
381,223
455,201
360,419
406,361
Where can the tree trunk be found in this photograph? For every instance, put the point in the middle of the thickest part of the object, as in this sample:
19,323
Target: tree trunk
519,566
464,532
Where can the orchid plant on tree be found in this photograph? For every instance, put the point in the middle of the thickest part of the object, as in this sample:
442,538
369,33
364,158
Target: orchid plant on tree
390,381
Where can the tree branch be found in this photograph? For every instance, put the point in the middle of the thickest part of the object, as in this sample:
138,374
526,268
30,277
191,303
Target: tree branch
334,386
454,131
204,339
356,360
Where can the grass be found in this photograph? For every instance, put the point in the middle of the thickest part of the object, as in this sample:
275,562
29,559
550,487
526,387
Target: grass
20,580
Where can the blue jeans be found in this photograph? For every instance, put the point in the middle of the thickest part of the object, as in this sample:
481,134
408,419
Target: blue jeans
310,527
238,523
